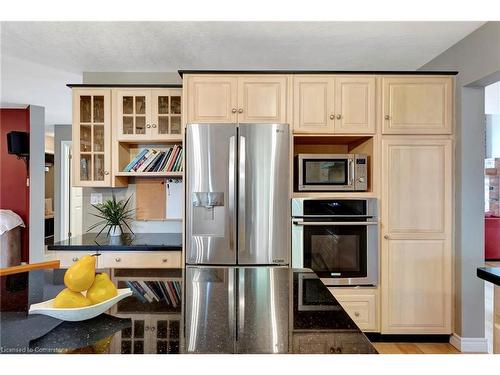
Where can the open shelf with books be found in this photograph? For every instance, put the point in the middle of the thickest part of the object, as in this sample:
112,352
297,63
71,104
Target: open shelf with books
149,159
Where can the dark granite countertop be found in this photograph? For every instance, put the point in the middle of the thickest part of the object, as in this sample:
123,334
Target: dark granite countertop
199,310
126,242
491,274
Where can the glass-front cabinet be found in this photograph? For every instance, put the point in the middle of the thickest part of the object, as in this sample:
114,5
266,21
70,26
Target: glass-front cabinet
148,114
92,133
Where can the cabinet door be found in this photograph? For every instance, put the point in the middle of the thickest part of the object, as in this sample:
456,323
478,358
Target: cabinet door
166,114
354,105
417,187
313,104
417,105
262,99
416,286
133,114
212,99
92,135
416,222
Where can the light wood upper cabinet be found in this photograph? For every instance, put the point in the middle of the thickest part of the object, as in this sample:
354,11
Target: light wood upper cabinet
334,104
416,228
262,99
212,98
92,137
417,105
313,104
231,99
354,105
416,286
148,114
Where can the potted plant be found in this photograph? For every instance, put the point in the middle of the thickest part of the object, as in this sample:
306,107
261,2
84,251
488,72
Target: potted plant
114,215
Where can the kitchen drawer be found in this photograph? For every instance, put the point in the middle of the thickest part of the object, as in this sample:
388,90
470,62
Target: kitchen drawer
361,305
313,343
142,259
68,258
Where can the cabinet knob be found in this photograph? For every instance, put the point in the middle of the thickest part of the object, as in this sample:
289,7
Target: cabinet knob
356,314
146,328
386,236
332,117
387,117
154,125
153,329
106,173
148,126
339,116
234,110
75,259
118,259
240,110
164,260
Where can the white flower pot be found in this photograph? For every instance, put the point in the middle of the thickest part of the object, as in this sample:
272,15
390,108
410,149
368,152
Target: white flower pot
115,231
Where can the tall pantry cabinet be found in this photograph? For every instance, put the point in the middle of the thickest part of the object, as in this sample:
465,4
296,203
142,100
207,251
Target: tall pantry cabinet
416,205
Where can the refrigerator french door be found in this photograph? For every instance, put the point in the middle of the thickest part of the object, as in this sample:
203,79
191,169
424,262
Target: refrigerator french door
237,194
226,306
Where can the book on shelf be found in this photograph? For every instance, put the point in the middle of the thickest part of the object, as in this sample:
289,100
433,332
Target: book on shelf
135,160
136,291
148,161
157,160
141,290
168,292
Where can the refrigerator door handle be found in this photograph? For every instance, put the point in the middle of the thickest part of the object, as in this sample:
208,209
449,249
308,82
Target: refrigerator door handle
241,198
232,184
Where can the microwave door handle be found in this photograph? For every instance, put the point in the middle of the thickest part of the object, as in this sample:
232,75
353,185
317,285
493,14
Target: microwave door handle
333,223
351,172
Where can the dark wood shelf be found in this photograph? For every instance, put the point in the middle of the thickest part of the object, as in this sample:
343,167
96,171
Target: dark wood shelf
278,71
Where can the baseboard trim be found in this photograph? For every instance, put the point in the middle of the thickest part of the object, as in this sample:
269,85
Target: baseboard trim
430,338
469,344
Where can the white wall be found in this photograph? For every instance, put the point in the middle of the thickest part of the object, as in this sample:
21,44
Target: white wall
476,58
492,98
27,82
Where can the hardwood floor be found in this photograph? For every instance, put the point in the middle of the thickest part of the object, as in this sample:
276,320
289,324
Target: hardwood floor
414,348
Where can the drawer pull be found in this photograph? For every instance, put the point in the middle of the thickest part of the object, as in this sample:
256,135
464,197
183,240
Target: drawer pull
118,259
146,328
75,259
153,329
165,260
356,314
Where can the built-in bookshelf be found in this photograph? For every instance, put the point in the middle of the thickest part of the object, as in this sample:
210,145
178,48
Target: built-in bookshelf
164,159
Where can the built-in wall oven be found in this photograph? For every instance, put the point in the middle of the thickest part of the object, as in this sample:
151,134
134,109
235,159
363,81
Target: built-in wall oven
337,239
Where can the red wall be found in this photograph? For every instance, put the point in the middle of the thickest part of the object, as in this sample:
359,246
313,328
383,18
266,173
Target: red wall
14,194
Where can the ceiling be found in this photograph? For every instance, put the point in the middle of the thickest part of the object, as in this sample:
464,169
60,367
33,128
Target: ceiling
76,47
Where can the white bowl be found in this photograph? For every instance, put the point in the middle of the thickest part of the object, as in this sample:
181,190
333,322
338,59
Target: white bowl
79,313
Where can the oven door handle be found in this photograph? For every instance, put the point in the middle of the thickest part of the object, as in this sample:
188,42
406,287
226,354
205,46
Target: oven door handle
332,223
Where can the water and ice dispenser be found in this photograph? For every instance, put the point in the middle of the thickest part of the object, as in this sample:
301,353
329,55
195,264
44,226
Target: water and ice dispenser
209,214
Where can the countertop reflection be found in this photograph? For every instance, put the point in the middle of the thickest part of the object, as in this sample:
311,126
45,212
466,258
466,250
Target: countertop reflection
192,310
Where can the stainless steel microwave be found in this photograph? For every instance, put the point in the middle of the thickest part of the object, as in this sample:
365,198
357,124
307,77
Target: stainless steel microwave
332,172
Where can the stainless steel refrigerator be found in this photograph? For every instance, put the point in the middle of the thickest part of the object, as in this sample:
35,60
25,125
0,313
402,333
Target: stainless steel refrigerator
237,194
